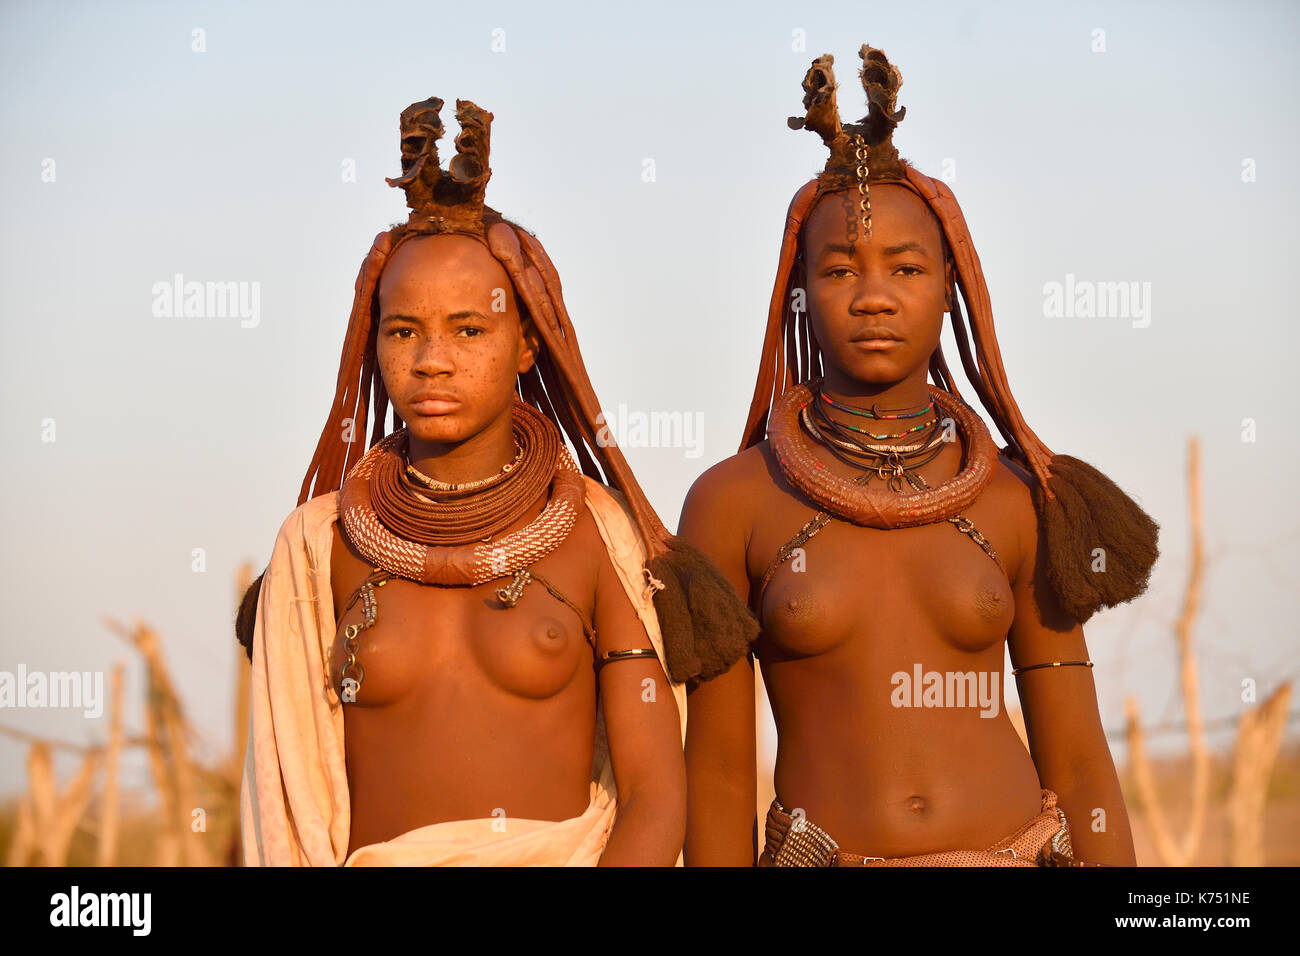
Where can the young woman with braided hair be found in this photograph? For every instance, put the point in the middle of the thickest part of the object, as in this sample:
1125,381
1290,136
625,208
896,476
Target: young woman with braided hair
459,646
891,552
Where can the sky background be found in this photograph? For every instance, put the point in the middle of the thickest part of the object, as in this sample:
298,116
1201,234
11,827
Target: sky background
1122,165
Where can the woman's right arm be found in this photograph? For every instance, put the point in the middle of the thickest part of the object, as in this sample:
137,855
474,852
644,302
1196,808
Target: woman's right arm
721,821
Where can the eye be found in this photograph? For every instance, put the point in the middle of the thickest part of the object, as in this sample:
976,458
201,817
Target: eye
401,333
912,270
471,331
839,272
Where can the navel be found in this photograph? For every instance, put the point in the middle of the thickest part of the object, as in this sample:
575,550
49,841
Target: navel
917,804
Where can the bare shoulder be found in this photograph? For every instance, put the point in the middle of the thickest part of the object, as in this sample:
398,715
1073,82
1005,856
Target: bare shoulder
586,562
739,477
587,536
718,515
1014,483
1012,487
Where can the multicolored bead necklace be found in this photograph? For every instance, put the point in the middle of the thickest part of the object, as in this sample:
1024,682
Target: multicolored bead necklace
896,465
824,399
433,484
871,412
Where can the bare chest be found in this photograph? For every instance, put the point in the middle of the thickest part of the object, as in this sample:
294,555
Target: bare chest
429,641
888,588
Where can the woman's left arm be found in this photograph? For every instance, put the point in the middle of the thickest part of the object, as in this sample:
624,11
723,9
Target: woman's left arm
1059,705
645,737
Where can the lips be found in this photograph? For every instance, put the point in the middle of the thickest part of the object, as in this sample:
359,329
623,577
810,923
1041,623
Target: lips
876,335
876,340
434,403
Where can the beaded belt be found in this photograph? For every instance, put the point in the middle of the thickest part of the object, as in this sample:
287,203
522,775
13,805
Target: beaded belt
1042,841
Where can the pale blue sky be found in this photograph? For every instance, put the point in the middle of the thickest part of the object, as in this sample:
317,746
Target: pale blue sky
175,434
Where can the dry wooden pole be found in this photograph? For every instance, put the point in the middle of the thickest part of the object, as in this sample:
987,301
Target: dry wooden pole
169,846
176,776
1143,777
1171,852
106,851
1258,737
167,849
1187,660
174,729
23,844
55,816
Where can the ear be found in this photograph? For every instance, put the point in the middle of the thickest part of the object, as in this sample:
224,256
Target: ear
532,345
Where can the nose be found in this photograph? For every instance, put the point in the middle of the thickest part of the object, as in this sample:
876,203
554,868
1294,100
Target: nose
434,357
872,295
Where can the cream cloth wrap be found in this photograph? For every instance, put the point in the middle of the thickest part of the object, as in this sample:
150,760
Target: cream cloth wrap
294,807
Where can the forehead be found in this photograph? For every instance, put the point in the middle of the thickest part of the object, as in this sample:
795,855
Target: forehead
442,265
897,213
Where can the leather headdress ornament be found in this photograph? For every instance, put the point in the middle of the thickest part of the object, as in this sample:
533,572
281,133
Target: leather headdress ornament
872,134
1079,508
450,200
706,626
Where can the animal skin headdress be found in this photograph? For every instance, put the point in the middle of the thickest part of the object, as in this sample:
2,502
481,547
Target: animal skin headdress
1079,508
706,626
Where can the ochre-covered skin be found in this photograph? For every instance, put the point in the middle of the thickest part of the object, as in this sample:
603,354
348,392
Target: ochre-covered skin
704,623
499,705
468,710
459,307
867,603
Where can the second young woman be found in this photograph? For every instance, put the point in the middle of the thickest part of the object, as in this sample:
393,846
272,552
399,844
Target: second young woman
893,555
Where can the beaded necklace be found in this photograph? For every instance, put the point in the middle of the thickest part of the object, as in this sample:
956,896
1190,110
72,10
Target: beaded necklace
433,484
872,412
823,399
447,539
869,505
886,506
444,535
